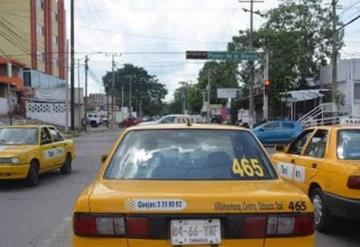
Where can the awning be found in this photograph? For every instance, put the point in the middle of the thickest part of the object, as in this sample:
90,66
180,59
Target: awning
302,95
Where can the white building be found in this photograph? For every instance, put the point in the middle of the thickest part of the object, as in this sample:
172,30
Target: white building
348,83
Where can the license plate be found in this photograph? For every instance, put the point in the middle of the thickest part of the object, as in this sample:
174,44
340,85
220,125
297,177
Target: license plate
195,232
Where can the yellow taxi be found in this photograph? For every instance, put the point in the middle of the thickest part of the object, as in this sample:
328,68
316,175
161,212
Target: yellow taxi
190,185
324,162
26,151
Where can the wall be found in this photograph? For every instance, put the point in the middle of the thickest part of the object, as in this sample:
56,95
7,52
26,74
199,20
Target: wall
16,16
3,106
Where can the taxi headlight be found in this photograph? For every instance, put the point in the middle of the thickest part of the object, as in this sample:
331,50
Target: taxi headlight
11,160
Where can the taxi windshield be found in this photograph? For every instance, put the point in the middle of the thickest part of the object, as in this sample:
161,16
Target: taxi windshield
189,155
18,136
348,145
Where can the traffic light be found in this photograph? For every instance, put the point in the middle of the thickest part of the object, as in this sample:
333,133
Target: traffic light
267,84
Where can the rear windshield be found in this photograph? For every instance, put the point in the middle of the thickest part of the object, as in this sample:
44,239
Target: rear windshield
189,155
348,145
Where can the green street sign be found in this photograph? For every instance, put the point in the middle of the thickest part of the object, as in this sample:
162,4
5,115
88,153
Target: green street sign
222,55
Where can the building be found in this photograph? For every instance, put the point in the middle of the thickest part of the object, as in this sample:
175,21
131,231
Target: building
33,53
348,84
99,101
32,32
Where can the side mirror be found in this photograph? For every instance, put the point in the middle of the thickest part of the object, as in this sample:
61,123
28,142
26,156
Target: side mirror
280,148
103,158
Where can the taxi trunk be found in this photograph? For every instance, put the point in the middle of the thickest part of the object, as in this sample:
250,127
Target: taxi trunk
179,213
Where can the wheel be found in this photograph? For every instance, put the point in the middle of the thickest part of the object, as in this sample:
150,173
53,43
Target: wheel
32,178
66,168
323,218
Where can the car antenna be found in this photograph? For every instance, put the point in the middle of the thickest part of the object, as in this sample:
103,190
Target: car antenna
188,123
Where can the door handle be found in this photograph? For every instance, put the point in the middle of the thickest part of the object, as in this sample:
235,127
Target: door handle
54,146
314,165
292,161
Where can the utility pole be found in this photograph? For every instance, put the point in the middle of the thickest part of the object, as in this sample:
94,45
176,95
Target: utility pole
334,52
86,96
113,90
130,106
72,72
209,95
266,84
251,63
108,106
79,95
9,93
122,95
252,71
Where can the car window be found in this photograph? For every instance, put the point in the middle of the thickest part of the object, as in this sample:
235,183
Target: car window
18,136
168,120
297,145
317,145
348,144
189,155
57,137
272,126
288,125
45,136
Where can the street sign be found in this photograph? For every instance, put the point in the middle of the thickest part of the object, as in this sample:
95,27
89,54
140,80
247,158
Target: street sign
222,55
226,93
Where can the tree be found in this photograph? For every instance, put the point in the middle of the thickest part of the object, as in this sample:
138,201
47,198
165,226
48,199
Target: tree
146,89
298,35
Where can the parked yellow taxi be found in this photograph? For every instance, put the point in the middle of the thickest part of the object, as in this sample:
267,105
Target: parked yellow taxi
29,150
324,162
199,185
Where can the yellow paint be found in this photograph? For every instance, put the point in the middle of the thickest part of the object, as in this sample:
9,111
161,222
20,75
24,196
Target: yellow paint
331,173
201,197
27,153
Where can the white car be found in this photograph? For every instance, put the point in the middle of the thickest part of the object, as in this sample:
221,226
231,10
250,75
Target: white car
176,119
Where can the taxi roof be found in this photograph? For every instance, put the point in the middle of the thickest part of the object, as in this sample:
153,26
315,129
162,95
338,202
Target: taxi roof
335,127
26,126
171,126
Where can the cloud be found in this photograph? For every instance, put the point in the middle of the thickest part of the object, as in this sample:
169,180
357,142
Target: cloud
155,26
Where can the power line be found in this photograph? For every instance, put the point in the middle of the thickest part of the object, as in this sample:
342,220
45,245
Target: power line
348,23
348,8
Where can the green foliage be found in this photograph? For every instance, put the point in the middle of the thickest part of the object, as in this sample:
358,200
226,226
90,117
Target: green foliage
145,88
298,35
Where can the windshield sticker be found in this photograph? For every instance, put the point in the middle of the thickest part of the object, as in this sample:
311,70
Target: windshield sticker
292,172
249,206
154,205
247,167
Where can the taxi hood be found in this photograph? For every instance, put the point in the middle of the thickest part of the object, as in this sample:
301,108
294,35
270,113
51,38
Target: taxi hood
136,196
15,150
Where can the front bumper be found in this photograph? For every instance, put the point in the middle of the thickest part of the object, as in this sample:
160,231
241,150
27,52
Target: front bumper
343,207
13,171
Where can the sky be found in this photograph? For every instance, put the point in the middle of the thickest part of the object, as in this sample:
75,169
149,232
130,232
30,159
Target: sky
131,29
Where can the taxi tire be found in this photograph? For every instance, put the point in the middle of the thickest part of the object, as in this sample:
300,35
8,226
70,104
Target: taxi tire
326,224
32,178
66,167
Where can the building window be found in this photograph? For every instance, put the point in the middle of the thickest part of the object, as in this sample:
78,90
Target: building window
40,4
41,55
40,30
56,61
55,16
55,40
357,92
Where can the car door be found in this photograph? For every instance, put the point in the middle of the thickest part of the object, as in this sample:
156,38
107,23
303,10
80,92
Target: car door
286,161
59,146
287,132
312,158
268,133
47,149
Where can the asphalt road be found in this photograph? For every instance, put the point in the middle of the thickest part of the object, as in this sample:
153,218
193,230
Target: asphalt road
41,216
